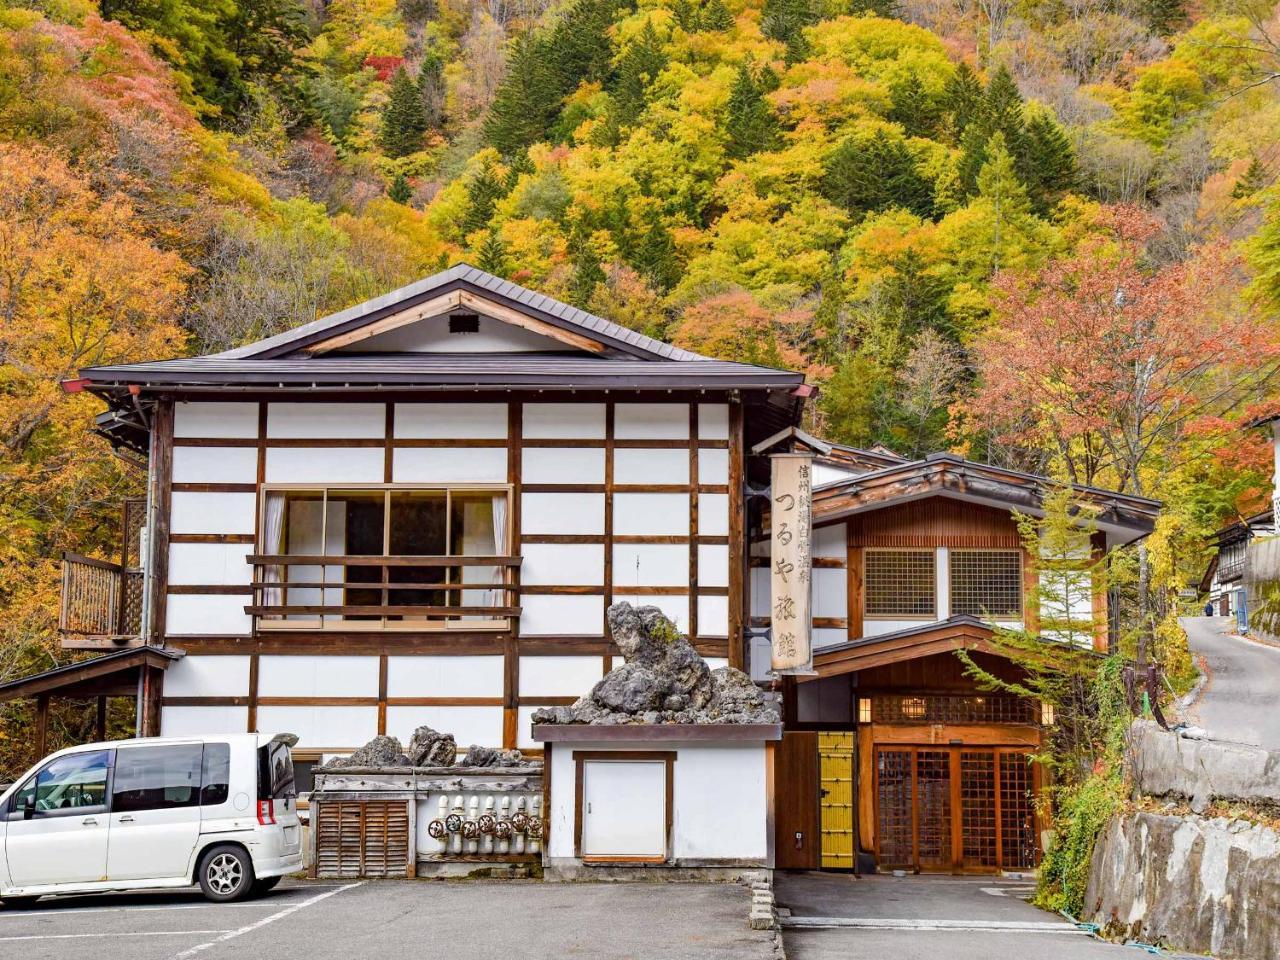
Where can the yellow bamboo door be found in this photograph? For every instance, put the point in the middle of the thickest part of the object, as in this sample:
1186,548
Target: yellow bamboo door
835,761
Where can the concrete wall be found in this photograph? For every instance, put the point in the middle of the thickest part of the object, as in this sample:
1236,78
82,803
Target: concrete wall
1163,764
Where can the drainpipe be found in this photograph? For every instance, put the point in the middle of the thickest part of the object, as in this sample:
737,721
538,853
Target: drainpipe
146,550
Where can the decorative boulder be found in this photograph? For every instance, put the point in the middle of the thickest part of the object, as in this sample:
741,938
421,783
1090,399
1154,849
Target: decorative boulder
430,748
378,752
631,688
489,757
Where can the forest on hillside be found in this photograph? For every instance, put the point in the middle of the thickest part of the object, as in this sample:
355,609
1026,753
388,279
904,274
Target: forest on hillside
1044,233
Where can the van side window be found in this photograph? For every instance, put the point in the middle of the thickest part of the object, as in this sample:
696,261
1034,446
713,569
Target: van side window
73,782
215,777
156,778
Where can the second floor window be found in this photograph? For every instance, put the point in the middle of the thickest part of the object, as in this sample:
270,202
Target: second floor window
900,584
986,583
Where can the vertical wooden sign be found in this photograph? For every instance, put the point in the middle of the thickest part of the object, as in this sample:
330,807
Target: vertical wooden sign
791,562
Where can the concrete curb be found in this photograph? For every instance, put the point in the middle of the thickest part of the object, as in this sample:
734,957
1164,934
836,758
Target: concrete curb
763,914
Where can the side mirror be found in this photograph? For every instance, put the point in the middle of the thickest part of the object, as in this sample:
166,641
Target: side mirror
29,807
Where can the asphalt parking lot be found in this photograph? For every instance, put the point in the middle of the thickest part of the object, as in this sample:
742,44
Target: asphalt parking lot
397,919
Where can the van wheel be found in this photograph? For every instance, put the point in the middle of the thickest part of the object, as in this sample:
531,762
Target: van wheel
226,874
19,903
264,885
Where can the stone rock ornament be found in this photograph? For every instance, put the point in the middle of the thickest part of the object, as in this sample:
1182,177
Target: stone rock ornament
378,752
664,680
478,756
430,748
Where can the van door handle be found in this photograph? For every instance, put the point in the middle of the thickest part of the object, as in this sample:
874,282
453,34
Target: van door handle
125,819
89,822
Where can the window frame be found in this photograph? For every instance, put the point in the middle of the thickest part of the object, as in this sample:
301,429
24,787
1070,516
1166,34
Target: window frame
932,552
14,812
341,623
197,796
953,552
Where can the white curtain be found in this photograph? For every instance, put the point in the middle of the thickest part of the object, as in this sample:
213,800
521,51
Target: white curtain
273,542
497,595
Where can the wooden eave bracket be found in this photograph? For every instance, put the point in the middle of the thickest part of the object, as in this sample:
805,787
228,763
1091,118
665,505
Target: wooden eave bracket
791,438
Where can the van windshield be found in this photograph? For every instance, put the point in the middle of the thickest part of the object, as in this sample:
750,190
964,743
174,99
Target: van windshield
275,772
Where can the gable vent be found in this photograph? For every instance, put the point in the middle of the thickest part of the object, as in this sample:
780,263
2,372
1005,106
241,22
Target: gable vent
464,323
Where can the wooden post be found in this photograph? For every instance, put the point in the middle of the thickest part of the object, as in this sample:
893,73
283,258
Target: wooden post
738,546
152,679
42,725
1101,619
158,567
101,726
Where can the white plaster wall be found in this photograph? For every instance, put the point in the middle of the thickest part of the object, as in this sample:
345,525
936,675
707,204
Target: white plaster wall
581,421
713,466
713,421
651,514
831,541
187,614
571,513
759,591
651,421
562,564
650,565
571,465
524,728
716,663
199,721
719,793
449,465
676,608
561,615
205,418
875,628
312,420
942,571
479,725
323,675
325,464
713,564
212,513
830,592
431,676
828,636
208,677
322,726
650,465
210,563
554,676
215,464
713,616
713,514
825,473
452,421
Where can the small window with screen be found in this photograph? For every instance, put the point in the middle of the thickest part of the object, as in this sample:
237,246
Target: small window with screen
900,584
986,583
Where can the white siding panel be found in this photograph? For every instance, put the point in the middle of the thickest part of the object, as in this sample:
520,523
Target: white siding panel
713,467
317,676
713,421
651,421
452,421
562,564
574,465
214,419
580,421
444,676
322,726
561,615
713,514
207,677
830,541
651,514
654,465
830,592
524,729
575,513
325,464
553,676
343,421
876,628
713,616
212,513
478,725
449,465
198,721
676,608
197,614
713,564
650,565
215,464
828,637
210,563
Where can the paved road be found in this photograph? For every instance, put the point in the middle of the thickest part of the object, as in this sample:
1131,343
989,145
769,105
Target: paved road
399,920
835,917
1239,700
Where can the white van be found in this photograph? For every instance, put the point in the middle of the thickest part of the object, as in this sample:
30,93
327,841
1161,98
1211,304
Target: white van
220,811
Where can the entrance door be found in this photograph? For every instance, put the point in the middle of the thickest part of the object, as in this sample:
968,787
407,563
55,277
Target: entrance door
835,759
954,808
65,839
155,811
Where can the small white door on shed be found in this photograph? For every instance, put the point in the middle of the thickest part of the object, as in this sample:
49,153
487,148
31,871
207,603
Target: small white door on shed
624,808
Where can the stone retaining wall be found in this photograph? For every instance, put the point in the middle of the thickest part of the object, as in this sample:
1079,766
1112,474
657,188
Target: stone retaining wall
1162,764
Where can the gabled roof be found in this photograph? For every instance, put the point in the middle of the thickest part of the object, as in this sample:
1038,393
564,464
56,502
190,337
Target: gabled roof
95,676
462,276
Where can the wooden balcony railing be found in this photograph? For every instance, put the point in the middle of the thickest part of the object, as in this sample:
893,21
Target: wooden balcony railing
101,603
376,588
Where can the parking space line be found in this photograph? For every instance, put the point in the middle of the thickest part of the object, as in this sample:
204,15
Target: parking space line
249,928
949,926
108,907
114,933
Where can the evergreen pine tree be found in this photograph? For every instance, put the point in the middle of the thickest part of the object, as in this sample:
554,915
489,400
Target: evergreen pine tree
749,120
579,47
913,107
399,191
520,164
526,101
963,99
639,66
655,255
687,16
587,271
1051,162
1003,112
1253,180
1164,17
973,154
403,119
491,255
483,193
875,175
878,8
431,88
785,20
999,185
716,16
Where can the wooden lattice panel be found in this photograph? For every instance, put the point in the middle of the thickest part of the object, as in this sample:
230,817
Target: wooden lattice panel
986,583
933,788
978,808
899,583
362,838
1017,812
894,803
954,708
